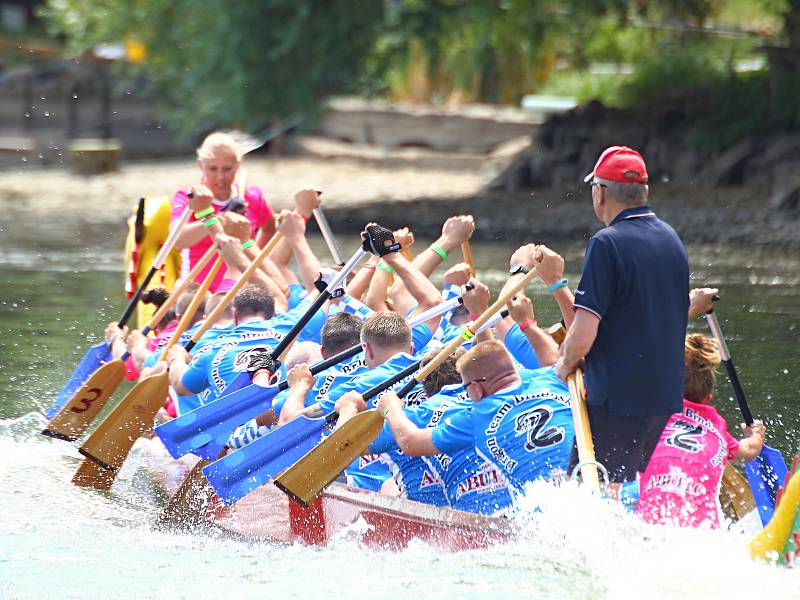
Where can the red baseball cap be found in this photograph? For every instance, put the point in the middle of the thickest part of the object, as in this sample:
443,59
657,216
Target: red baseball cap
619,163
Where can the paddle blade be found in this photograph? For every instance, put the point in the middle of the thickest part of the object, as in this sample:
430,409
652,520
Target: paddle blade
91,361
113,439
766,473
735,486
214,422
90,474
186,508
251,466
306,479
84,406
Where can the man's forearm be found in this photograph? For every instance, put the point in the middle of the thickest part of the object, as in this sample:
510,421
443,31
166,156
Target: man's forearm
580,338
294,405
420,287
543,345
565,301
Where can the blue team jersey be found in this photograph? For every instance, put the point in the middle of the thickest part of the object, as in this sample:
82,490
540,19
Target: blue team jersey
369,378
417,478
469,482
369,472
326,380
219,363
214,334
526,430
296,295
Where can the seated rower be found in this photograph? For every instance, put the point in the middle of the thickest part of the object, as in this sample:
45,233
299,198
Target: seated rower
521,424
339,333
681,483
463,480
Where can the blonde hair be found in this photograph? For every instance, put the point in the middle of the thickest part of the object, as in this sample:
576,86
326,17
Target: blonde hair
701,357
219,140
488,359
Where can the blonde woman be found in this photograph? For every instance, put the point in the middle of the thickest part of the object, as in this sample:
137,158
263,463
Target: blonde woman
219,159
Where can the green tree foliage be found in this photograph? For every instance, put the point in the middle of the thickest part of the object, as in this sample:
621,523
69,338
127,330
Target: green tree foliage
243,63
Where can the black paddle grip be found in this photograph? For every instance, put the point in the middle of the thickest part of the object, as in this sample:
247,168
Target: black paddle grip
133,301
397,377
298,327
738,392
327,363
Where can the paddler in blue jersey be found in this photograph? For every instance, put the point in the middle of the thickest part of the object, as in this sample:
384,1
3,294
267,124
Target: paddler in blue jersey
257,329
461,480
521,423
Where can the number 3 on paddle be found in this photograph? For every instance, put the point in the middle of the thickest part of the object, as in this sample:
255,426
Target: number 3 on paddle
86,403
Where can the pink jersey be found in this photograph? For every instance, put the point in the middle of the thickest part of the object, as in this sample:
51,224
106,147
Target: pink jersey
681,483
257,210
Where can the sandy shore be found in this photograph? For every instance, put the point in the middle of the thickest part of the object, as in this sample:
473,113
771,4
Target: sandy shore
39,194
54,204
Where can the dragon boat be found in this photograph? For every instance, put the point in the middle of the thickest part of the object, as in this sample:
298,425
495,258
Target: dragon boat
341,512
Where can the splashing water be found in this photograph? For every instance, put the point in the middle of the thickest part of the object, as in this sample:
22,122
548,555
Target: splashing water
63,541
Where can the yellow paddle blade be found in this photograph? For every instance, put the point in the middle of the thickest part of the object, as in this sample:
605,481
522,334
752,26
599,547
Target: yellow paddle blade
83,408
186,507
735,485
306,479
113,439
90,474
769,542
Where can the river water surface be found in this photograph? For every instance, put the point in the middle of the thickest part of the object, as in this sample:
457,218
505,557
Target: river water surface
60,541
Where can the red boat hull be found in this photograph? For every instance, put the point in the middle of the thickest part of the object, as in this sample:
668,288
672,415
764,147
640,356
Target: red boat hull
374,520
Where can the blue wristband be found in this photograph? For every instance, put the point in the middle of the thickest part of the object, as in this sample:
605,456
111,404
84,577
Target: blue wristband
556,285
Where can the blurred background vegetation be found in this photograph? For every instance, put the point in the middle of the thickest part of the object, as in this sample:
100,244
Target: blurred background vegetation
732,67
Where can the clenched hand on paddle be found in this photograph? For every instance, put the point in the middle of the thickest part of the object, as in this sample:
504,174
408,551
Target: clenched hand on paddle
306,479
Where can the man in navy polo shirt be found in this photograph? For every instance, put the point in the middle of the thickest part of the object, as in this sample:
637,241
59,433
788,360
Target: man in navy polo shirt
630,318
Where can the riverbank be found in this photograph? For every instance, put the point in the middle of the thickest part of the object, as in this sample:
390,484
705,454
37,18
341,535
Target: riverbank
397,192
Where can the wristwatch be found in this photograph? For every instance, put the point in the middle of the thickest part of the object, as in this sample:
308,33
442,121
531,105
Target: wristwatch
517,269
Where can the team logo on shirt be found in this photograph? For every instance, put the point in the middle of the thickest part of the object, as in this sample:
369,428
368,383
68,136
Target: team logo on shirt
534,422
242,359
685,435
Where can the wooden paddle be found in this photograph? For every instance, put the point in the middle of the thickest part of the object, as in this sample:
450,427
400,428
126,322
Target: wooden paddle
213,422
583,433
737,490
306,479
77,414
467,252
327,235
82,393
110,443
186,507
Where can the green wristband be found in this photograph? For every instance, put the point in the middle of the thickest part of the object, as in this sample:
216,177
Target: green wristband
439,250
202,214
384,267
208,223
248,244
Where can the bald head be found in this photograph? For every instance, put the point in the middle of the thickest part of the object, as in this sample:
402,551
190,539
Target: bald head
490,365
